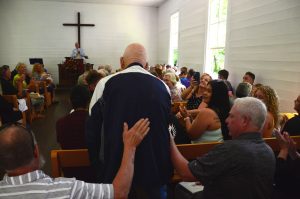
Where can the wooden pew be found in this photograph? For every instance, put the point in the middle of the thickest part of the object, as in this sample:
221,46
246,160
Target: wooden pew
288,115
191,151
80,157
68,158
175,106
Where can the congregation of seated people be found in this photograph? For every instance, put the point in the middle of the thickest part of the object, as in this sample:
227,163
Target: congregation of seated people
209,110
28,87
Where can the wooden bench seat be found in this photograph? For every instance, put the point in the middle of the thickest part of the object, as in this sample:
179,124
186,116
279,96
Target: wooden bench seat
80,157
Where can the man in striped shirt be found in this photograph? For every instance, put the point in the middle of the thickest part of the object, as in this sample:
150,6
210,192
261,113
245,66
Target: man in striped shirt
19,156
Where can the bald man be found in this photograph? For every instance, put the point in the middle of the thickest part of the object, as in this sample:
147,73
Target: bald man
127,96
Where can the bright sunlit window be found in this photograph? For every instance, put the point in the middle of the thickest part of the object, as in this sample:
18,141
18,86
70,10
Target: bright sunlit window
173,49
216,36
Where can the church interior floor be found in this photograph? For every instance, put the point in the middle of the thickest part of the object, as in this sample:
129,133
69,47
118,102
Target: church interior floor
44,129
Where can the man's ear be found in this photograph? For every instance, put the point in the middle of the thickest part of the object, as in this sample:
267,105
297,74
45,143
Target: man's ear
246,120
36,152
122,63
146,66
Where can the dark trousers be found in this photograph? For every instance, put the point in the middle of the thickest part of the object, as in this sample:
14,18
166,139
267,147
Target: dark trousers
138,192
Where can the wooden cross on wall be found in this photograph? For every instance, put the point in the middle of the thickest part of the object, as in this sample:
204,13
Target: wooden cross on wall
78,24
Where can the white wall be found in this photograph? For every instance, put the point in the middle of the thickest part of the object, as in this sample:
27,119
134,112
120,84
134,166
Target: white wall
192,31
34,29
262,37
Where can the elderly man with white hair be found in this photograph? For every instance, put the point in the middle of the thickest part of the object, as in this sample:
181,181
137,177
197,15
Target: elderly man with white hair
239,168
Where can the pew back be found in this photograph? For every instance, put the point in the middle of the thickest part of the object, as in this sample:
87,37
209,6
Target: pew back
80,157
68,158
191,151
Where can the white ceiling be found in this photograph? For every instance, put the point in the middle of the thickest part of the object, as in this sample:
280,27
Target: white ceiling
152,3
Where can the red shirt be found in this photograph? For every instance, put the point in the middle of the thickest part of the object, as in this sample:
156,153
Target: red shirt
70,130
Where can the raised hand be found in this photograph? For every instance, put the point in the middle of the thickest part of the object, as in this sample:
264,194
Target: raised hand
134,136
183,112
287,145
194,84
283,139
293,149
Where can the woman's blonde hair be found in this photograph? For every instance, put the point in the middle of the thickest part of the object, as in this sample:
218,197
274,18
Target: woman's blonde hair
19,65
172,77
271,101
206,74
34,68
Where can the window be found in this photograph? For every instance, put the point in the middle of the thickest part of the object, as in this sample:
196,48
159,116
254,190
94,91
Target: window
173,49
216,36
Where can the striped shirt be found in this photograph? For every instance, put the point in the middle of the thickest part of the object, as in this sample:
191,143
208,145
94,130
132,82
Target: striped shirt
37,184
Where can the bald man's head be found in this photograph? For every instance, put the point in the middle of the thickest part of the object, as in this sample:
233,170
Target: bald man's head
134,53
16,147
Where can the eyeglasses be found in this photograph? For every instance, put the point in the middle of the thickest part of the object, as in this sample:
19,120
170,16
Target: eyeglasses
19,125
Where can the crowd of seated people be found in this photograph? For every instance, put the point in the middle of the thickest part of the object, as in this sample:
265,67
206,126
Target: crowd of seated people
17,85
20,82
208,107
193,95
239,168
29,86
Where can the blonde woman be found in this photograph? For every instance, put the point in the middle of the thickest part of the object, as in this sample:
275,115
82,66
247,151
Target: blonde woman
39,75
20,84
194,93
170,79
270,98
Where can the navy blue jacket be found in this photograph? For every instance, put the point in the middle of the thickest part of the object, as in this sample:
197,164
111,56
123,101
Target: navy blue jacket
126,97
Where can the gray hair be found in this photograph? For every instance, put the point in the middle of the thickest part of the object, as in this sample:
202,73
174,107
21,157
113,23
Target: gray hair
172,77
108,68
252,108
243,90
